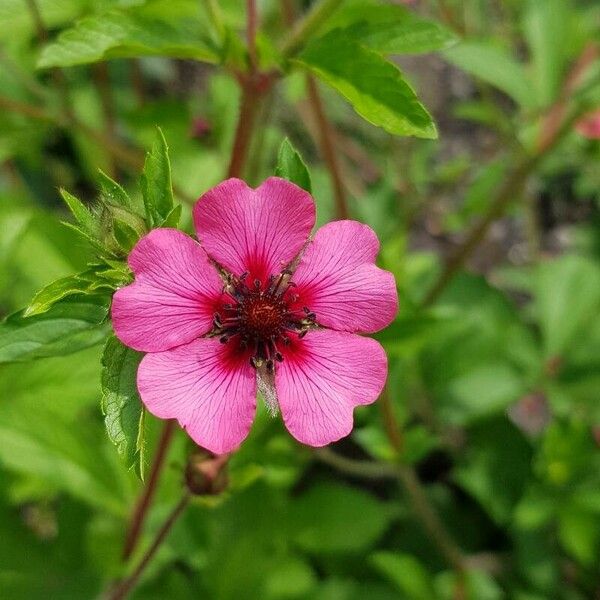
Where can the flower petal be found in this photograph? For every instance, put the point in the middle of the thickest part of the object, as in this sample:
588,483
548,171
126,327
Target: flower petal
258,231
322,378
338,280
209,387
174,296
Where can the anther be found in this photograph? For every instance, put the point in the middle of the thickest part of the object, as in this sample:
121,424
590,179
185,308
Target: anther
256,362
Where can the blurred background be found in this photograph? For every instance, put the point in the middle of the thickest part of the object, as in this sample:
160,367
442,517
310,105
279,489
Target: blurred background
478,475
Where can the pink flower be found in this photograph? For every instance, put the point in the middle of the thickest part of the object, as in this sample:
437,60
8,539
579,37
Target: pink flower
589,126
257,304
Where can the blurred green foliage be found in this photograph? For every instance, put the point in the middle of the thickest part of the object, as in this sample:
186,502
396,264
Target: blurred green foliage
495,383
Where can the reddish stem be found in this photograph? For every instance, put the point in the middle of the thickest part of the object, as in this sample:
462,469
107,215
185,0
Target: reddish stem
143,504
326,137
251,28
126,586
243,135
556,115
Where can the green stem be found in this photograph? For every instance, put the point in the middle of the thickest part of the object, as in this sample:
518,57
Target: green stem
308,25
505,194
392,427
415,491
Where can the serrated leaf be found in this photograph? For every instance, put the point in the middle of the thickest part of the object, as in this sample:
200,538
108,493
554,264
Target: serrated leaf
391,29
156,182
121,403
68,326
113,192
57,290
290,166
127,34
495,66
82,214
374,86
92,241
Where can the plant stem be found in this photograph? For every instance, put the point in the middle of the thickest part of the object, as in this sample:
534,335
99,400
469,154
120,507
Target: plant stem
131,157
249,105
251,29
419,500
308,25
101,78
127,585
504,195
58,76
365,469
143,504
253,85
326,137
429,517
392,428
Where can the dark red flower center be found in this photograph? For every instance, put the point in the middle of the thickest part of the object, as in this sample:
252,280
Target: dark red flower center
261,318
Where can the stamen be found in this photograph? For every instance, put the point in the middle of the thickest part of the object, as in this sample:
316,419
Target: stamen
260,317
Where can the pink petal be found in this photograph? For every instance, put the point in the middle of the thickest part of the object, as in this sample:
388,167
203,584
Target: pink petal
207,386
174,296
258,231
322,378
589,125
338,280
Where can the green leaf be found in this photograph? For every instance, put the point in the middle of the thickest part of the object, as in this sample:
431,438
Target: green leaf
113,193
128,34
50,430
57,290
121,404
290,166
495,66
125,235
374,86
68,326
82,214
410,577
390,29
337,506
579,534
567,299
156,182
172,219
496,467
548,29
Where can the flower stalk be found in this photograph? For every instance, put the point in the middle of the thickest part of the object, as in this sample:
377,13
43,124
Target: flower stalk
326,143
126,586
141,509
